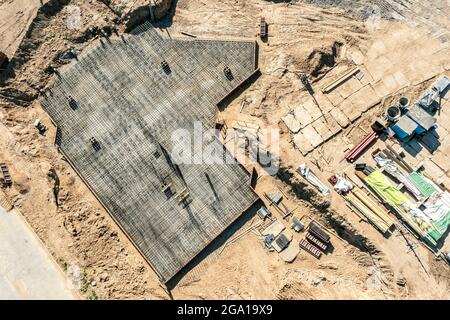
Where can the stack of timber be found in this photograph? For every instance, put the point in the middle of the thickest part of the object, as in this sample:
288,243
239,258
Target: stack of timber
374,212
317,240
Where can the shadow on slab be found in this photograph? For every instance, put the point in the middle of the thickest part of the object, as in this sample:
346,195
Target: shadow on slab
216,244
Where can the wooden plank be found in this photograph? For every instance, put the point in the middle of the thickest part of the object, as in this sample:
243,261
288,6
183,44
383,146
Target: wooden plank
373,206
188,34
340,80
263,28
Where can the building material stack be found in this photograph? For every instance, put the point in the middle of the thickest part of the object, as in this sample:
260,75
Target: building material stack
374,212
7,181
263,28
322,246
305,245
419,216
418,118
317,241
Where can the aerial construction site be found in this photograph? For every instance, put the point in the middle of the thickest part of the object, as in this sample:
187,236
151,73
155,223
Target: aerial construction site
217,149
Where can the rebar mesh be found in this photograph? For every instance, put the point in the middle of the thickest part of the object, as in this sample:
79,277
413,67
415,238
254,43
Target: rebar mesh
130,105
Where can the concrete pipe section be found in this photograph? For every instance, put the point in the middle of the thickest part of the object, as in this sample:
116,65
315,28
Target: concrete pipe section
393,113
403,103
27,271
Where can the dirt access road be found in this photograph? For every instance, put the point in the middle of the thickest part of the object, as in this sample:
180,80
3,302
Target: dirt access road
27,270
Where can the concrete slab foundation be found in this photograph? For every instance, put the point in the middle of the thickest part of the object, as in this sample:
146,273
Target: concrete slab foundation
130,95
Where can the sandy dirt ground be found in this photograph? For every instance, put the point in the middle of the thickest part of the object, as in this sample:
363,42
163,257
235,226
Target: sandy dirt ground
303,39
15,18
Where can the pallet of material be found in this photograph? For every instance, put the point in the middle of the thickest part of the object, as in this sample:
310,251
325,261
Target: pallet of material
361,147
410,222
316,231
7,181
263,28
305,245
319,244
374,212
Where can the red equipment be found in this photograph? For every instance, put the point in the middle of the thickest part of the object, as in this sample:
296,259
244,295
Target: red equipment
361,147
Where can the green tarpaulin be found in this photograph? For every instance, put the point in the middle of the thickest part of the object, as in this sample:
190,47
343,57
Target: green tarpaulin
432,230
424,187
441,226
